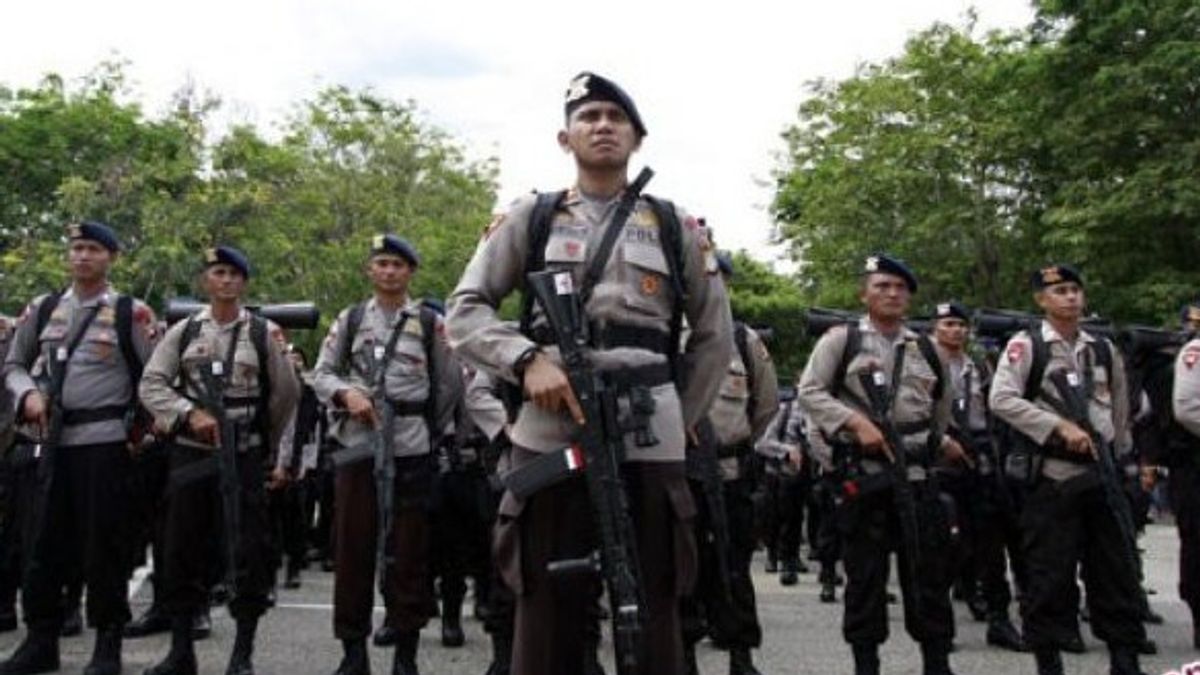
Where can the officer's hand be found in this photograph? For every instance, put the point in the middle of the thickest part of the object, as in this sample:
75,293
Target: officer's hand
795,458
279,478
1075,439
953,452
203,427
360,407
869,437
34,410
548,387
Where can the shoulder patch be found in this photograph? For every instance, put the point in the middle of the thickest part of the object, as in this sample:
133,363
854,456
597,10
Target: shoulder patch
1015,351
1191,356
493,226
760,348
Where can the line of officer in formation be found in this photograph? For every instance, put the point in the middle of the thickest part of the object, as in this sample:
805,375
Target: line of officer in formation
77,359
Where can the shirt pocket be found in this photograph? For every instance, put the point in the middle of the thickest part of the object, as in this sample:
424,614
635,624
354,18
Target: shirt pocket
244,378
646,279
407,377
566,248
98,347
914,400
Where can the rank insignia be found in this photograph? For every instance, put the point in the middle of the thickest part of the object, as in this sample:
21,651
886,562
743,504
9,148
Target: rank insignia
493,226
578,88
1051,276
377,242
210,256
1193,314
74,231
651,284
872,264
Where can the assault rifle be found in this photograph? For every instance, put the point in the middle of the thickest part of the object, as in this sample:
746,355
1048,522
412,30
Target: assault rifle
600,444
703,467
874,383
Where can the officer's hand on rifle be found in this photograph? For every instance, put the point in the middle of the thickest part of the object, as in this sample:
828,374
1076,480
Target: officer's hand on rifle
869,437
359,407
795,458
953,452
279,478
548,387
1075,439
204,427
34,410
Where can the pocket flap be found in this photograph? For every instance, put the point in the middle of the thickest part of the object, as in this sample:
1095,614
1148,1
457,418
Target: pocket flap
646,256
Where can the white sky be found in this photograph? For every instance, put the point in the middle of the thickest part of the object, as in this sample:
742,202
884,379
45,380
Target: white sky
716,84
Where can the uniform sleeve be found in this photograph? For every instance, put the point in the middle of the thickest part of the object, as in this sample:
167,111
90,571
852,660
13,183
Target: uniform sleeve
1121,403
1007,399
710,344
287,442
449,374
816,383
167,406
327,380
766,385
475,330
21,354
1185,395
145,333
285,392
483,406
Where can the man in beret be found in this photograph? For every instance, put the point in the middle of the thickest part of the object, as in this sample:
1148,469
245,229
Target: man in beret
390,338
227,348
72,371
1067,524
987,521
659,270
881,347
1183,441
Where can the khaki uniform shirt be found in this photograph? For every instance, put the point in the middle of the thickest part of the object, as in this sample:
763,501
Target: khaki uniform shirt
958,367
97,375
405,380
732,421
1185,397
171,384
1108,408
914,401
633,290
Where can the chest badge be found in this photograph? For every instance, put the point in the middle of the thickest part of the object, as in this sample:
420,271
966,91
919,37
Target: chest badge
651,284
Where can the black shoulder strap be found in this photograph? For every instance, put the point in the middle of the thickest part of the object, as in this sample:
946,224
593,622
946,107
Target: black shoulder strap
190,330
125,338
741,338
428,332
259,334
1041,358
45,309
620,216
851,349
935,363
535,258
1104,356
353,320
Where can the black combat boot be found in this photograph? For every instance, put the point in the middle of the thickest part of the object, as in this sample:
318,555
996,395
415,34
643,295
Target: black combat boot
772,565
1075,644
8,618
243,648
828,579
202,625
106,655
181,660
37,654
1003,634
1123,660
405,662
1049,661
935,655
354,658
72,624
789,575
740,662
501,655
385,635
452,632
153,621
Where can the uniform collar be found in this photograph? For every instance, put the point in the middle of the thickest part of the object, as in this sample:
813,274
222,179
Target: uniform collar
410,307
102,298
1049,334
205,316
906,333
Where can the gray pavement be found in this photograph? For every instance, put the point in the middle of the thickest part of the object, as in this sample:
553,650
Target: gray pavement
801,635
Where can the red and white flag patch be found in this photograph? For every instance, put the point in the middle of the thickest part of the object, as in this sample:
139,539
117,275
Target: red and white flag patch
1015,351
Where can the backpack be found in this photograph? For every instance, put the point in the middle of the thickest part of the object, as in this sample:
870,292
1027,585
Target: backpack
124,311
258,338
854,345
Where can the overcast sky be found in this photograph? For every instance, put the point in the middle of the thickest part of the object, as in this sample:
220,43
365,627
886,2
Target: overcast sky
716,84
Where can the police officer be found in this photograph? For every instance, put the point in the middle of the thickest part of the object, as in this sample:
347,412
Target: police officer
392,331
1184,484
634,307
246,364
746,402
1066,522
10,568
833,394
79,351
787,476
987,521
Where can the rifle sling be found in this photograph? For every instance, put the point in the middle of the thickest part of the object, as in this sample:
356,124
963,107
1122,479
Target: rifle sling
596,267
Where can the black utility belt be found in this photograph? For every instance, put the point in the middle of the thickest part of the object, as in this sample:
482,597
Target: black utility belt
71,418
1059,452
408,408
734,450
849,453
613,336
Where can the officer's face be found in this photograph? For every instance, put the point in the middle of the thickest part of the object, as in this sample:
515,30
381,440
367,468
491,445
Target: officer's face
223,283
886,296
1064,301
89,260
600,135
389,274
951,333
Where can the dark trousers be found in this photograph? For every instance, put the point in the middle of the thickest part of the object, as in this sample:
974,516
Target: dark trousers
1067,527
871,531
318,509
462,520
555,624
148,487
81,531
1184,493
792,499
194,540
731,620
19,473
406,585
828,539
286,509
997,543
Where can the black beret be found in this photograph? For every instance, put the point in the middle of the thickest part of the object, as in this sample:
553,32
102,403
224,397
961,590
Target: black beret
588,86
952,310
391,244
1190,312
227,255
881,263
725,262
1055,274
95,231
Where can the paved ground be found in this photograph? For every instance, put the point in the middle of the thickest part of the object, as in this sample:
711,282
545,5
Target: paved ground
801,635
